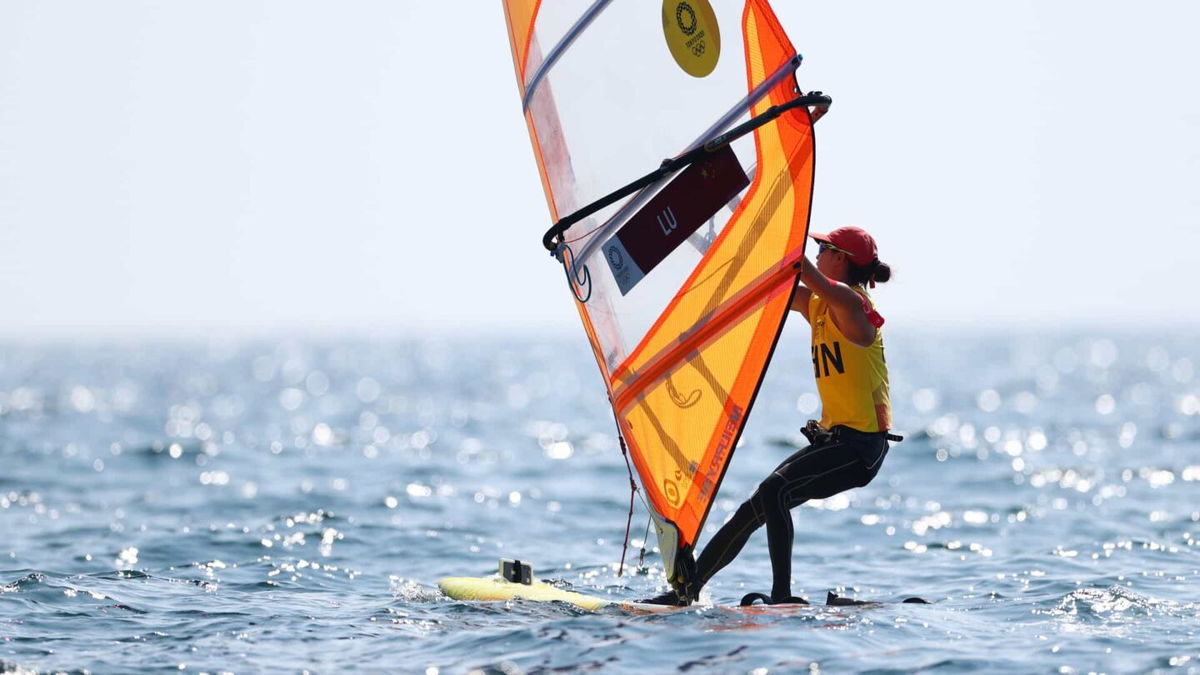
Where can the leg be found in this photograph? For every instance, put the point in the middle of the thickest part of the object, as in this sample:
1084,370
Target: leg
762,507
816,472
728,541
719,552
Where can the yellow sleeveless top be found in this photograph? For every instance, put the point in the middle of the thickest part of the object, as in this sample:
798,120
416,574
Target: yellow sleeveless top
852,380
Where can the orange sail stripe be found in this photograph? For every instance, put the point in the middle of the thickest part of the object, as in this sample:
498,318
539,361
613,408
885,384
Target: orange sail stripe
733,310
520,16
594,341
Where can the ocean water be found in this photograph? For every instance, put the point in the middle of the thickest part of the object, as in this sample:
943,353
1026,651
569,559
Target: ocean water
286,506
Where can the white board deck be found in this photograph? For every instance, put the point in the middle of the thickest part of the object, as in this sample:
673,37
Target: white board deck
494,589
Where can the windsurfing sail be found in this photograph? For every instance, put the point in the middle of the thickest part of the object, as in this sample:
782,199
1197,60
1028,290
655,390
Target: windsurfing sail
676,152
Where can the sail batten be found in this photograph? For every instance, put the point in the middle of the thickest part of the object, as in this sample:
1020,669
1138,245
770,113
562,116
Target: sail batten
561,48
682,321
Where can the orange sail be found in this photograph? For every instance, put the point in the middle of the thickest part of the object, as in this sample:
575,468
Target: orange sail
683,279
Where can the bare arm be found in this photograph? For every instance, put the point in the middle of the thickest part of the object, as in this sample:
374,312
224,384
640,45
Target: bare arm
845,304
800,301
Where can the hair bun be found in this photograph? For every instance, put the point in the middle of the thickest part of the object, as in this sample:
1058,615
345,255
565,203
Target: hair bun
882,272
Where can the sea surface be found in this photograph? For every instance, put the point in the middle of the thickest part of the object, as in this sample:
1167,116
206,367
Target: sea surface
287,506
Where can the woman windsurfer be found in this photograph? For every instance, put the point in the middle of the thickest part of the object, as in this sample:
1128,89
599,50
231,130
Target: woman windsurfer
848,446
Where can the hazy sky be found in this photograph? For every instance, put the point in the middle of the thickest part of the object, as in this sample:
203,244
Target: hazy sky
280,165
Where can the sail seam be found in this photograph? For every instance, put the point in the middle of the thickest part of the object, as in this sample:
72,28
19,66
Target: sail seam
704,330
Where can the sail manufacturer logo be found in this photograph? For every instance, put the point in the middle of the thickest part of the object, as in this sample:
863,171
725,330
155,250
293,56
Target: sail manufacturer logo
671,490
679,399
721,453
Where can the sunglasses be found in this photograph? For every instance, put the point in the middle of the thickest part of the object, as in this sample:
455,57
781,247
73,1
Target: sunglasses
826,246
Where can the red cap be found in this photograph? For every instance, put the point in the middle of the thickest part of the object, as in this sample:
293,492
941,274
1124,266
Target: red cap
852,240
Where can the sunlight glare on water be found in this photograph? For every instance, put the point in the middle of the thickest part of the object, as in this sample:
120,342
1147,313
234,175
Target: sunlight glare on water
291,506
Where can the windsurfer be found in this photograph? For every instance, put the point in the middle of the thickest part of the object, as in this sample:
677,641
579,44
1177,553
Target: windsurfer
849,444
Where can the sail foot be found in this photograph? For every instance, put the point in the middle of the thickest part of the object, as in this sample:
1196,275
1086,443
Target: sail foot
668,542
678,561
